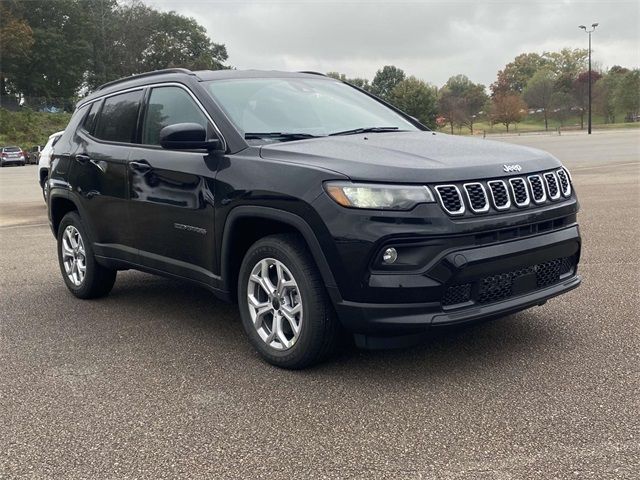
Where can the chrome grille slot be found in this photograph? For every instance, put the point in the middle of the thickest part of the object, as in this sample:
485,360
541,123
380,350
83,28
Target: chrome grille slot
537,188
477,197
499,194
565,184
552,185
450,199
520,192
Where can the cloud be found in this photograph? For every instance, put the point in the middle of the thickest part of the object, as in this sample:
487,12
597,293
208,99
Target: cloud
430,39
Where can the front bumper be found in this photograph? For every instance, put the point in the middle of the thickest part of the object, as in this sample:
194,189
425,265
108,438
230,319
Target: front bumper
497,279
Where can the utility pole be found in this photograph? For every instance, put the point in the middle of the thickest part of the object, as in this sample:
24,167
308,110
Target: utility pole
593,27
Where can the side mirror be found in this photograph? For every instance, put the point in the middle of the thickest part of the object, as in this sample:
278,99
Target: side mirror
186,136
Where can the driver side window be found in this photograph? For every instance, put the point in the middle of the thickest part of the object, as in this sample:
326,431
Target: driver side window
168,106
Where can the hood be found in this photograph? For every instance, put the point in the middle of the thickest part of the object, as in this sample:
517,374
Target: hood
411,157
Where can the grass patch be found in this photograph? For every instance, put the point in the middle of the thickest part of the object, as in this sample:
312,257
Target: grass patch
27,128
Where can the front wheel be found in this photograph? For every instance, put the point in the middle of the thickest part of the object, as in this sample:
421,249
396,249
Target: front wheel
284,307
84,277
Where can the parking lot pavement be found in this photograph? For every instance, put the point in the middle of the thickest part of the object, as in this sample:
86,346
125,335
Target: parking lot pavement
157,380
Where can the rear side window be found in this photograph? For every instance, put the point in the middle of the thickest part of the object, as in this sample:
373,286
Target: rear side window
118,118
167,106
90,119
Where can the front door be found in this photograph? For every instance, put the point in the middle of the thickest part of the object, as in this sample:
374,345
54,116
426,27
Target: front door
172,192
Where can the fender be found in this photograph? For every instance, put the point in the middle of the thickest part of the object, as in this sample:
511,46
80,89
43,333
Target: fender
285,217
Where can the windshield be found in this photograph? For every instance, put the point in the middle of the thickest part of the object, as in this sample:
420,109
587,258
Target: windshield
12,149
295,108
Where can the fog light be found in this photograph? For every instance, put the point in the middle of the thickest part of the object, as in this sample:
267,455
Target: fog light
390,255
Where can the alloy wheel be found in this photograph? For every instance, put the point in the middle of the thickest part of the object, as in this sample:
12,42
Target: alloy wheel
275,304
74,257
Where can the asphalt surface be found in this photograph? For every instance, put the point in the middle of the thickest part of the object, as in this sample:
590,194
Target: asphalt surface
158,381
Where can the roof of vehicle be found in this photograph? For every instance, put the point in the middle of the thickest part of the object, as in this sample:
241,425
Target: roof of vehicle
173,74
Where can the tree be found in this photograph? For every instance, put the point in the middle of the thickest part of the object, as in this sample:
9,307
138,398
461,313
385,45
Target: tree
16,40
508,109
627,94
561,103
580,92
538,92
417,99
386,80
604,93
362,83
568,61
460,101
516,74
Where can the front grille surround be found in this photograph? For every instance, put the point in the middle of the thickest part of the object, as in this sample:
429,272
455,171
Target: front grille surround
503,192
444,191
538,192
565,182
553,187
476,195
520,192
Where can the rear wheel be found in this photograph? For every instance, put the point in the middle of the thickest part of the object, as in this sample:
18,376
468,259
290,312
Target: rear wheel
283,303
84,277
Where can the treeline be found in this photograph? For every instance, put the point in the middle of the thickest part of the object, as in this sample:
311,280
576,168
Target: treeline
551,85
54,49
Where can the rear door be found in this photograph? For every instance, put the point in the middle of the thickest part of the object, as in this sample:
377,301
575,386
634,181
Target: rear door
172,191
100,171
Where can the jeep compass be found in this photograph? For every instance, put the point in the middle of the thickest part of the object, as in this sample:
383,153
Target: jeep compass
314,205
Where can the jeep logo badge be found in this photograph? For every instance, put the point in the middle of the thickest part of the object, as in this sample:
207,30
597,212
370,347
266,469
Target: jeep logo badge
512,168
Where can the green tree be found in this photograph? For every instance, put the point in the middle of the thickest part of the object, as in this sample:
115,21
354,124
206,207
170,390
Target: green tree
539,90
561,103
460,101
516,74
568,61
417,99
16,40
604,93
362,83
580,92
627,94
386,79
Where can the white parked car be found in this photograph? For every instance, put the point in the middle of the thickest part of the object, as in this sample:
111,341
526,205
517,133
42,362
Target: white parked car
44,163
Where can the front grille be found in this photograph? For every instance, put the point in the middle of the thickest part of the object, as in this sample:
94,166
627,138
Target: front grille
565,185
451,199
537,188
477,197
499,194
495,288
520,192
552,185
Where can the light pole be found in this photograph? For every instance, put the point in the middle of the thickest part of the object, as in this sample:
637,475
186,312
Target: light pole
593,27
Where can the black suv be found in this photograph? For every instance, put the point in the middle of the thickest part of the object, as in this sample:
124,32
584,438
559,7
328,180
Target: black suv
311,203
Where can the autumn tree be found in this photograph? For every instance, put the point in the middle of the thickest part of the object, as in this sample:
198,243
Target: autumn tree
538,92
416,98
16,40
515,75
580,92
460,100
362,83
508,109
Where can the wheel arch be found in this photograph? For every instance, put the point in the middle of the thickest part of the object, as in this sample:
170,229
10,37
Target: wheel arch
240,233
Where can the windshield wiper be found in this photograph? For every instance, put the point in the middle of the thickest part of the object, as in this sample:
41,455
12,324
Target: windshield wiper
355,131
278,135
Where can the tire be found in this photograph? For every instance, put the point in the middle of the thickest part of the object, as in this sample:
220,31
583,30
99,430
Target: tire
317,332
97,281
45,189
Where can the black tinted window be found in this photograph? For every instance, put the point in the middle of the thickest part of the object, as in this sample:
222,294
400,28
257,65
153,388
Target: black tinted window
168,106
90,119
118,118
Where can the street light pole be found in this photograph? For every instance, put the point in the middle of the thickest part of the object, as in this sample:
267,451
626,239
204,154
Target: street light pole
593,27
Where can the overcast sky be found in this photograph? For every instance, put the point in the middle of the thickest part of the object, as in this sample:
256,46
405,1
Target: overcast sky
432,40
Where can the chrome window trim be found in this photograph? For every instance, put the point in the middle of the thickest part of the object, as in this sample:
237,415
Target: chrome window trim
156,85
544,191
507,206
566,174
513,191
484,192
450,212
546,181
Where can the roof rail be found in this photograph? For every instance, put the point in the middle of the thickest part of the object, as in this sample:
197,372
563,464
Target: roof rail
146,74
313,73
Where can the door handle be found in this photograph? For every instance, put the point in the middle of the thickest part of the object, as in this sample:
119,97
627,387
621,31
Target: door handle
81,158
141,167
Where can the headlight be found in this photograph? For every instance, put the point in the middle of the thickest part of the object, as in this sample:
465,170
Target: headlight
378,197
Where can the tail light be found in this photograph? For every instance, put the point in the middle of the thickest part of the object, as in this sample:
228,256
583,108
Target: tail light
4,155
